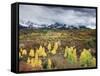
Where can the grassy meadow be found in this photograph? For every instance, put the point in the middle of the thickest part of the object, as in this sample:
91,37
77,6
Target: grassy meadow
49,49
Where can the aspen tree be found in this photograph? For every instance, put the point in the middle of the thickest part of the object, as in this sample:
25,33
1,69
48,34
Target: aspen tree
49,47
31,53
85,58
28,61
66,51
93,61
54,48
49,63
24,52
20,56
43,52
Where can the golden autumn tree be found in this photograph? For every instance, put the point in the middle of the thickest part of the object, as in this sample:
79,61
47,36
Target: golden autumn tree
24,52
31,53
85,58
21,49
28,60
44,54
74,56
49,63
36,62
66,51
20,55
41,51
70,54
54,48
49,47
93,62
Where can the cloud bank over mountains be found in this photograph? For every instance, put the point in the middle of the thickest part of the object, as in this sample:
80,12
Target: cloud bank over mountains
50,15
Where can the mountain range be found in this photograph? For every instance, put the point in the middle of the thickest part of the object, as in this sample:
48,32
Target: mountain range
56,25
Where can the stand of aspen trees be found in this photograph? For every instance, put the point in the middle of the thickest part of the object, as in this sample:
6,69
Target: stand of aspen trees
34,56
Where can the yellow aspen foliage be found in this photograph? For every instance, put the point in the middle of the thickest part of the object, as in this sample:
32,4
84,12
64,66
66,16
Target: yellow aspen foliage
31,53
66,51
85,57
36,62
54,48
49,47
93,61
43,52
32,62
28,61
49,63
53,51
39,62
74,56
39,51
40,48
21,49
24,52
56,45
20,56
71,48
70,54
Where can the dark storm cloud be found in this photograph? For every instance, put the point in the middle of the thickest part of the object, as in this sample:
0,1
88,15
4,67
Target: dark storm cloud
66,15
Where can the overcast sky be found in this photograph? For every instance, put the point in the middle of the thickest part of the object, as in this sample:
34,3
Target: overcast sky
49,15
